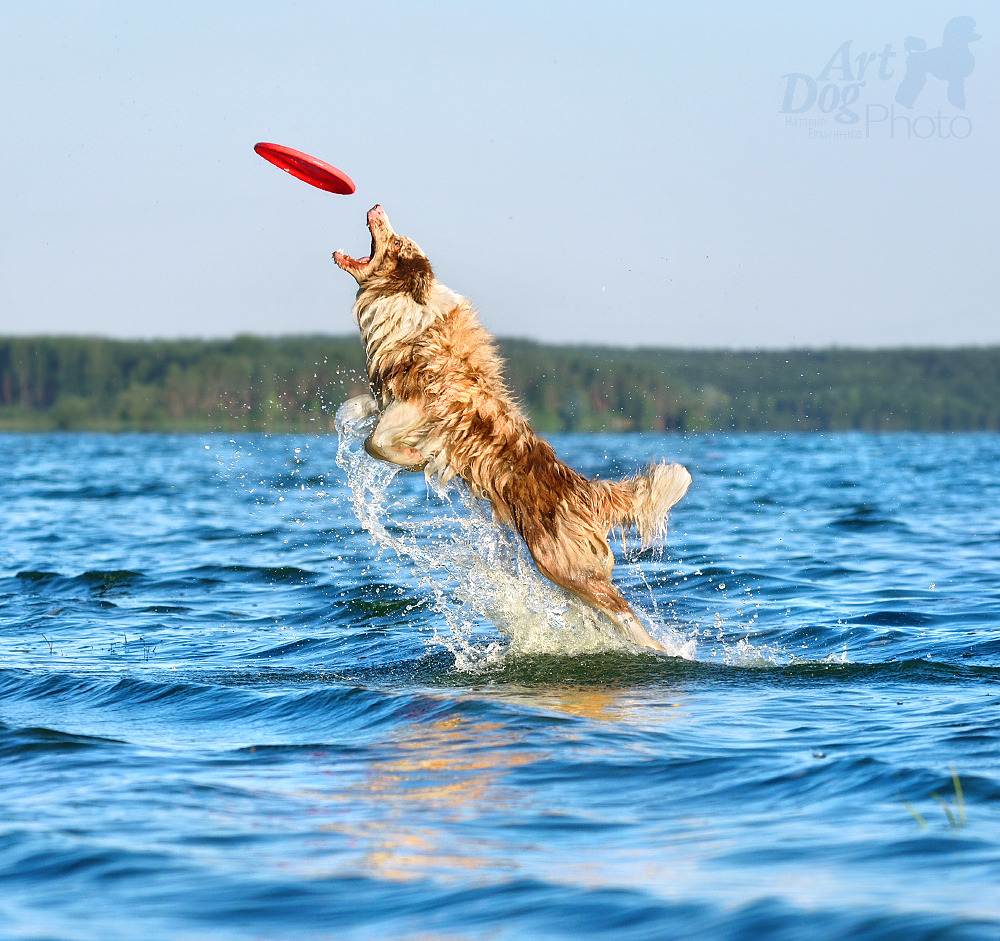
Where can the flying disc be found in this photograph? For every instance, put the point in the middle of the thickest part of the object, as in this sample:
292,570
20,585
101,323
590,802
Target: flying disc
310,169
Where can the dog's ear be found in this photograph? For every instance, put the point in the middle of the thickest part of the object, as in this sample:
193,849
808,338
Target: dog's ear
421,283
413,273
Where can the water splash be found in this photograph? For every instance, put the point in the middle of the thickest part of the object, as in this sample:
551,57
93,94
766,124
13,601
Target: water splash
478,572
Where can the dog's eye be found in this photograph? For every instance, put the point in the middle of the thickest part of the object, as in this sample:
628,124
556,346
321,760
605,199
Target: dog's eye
398,243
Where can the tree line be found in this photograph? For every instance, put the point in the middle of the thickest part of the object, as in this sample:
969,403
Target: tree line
296,384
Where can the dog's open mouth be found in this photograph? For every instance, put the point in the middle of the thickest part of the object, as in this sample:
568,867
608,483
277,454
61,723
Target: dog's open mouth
344,259
381,231
358,264
371,251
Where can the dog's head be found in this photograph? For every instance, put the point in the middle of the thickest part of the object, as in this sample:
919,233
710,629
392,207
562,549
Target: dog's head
395,264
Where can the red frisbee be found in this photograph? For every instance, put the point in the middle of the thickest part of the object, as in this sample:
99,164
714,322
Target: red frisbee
307,168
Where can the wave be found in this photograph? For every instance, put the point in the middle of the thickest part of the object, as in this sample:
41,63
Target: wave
247,706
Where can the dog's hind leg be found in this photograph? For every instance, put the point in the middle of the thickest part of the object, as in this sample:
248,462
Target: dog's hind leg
397,430
587,574
600,593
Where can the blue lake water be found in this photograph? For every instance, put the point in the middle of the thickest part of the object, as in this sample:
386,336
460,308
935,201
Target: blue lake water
251,687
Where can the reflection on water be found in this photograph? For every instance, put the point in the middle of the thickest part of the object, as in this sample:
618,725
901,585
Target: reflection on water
414,812
432,801
592,702
627,707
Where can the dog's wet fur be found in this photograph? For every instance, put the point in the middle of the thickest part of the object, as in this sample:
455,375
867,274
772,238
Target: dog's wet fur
437,384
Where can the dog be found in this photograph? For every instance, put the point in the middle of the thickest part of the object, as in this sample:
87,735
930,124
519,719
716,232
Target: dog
443,407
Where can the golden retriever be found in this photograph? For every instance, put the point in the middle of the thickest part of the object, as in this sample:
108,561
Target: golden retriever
438,386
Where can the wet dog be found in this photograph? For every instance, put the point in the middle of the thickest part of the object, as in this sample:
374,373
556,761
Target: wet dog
438,388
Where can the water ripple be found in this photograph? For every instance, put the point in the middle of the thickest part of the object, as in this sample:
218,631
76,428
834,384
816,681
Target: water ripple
249,691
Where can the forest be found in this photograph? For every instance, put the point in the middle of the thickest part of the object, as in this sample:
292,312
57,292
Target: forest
296,384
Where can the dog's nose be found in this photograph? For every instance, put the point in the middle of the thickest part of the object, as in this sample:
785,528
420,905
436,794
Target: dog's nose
376,212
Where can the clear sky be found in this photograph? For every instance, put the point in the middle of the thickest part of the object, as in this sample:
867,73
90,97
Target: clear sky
670,174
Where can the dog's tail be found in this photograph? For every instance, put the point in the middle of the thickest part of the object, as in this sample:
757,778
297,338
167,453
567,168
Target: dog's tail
641,502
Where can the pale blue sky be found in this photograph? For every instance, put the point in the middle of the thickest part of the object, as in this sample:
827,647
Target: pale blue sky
586,172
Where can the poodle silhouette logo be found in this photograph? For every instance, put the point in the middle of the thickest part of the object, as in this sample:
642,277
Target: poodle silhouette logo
855,95
951,62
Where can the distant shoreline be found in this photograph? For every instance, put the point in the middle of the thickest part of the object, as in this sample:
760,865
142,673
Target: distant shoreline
295,383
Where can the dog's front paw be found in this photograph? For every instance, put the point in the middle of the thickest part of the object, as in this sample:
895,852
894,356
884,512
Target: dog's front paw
357,409
352,417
